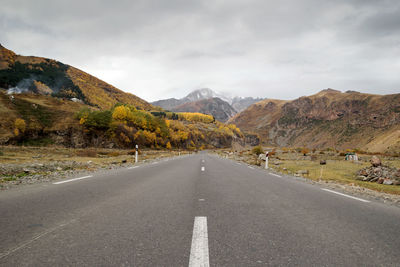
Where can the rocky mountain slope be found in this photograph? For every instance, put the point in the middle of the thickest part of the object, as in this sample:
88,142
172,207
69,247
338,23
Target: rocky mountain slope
46,76
327,119
220,109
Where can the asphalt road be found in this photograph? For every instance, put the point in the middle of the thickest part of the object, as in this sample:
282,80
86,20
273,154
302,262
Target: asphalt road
193,211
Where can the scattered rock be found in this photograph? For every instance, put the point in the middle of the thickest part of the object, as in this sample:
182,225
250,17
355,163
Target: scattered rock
387,181
375,161
381,174
124,161
59,169
322,162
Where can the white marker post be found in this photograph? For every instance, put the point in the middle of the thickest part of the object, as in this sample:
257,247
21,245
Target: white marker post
136,154
266,159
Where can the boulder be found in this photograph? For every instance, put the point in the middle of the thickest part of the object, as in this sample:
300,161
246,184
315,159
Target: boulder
387,181
322,162
380,180
375,161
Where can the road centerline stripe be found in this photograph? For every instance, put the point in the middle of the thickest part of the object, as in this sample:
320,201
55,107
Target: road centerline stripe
344,195
203,169
199,255
75,179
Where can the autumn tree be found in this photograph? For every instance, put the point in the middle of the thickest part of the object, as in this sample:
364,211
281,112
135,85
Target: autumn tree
20,126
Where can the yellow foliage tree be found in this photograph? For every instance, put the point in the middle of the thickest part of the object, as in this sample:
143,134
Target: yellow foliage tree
121,113
20,126
199,117
168,145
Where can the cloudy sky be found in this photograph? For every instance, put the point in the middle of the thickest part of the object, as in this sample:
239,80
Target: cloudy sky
166,48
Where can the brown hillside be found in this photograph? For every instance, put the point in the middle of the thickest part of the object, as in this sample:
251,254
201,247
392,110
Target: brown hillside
103,94
61,80
327,119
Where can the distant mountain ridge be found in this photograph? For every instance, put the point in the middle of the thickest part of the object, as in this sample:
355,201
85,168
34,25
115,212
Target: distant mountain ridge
329,118
209,102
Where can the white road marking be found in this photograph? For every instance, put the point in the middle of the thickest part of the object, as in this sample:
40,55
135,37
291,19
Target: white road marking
275,175
341,194
202,160
133,167
201,199
155,162
75,179
199,249
203,169
250,167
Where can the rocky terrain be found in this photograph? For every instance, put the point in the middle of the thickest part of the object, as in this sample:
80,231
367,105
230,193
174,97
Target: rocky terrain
328,119
379,173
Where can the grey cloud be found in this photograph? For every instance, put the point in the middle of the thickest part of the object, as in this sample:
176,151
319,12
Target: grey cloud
158,49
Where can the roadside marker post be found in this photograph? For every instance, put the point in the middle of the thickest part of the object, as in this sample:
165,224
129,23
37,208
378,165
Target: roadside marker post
136,154
266,159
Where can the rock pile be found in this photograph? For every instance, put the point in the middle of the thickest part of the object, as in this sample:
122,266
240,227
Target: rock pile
379,173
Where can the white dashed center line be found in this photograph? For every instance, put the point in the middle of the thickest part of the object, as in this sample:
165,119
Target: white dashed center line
203,169
344,195
199,249
75,179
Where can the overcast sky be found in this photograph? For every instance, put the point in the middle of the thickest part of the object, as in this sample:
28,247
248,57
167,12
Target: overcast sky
166,48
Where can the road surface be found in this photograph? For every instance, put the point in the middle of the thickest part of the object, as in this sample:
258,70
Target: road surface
196,210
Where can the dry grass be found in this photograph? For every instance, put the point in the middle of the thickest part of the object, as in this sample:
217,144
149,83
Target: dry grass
336,170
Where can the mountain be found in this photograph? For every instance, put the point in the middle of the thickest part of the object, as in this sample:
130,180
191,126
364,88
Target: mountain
205,99
168,104
329,118
205,93
220,109
46,76
241,103
196,95
44,102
